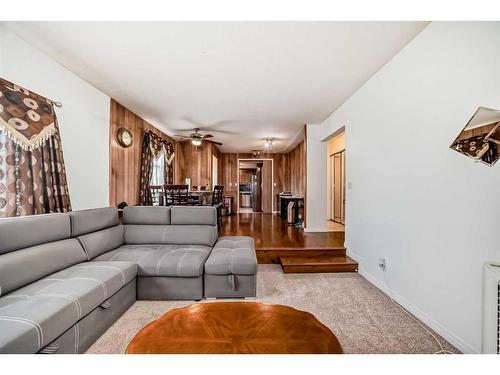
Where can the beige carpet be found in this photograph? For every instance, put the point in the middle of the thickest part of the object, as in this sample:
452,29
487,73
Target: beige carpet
362,317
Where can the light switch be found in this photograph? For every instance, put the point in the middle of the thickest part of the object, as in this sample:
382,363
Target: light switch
349,185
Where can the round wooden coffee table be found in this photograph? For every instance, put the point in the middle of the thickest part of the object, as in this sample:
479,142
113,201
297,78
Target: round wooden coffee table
235,328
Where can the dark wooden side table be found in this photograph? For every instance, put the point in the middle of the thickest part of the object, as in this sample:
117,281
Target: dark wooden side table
235,328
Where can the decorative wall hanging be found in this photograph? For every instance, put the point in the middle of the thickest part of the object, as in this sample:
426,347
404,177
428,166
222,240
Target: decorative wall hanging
152,146
480,139
32,172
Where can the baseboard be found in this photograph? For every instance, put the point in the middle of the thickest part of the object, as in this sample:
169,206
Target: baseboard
437,327
316,229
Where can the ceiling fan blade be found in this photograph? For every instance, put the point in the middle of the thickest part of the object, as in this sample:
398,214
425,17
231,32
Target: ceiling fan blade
214,142
208,136
182,136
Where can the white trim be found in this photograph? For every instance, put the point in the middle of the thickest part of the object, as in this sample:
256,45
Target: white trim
435,326
317,229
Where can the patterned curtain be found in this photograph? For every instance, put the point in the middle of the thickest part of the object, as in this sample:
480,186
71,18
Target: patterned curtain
152,146
32,173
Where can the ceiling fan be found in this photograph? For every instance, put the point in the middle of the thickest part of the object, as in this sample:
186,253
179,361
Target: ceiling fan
197,138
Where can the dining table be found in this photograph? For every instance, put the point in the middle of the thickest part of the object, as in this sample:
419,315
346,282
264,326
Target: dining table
201,197
195,197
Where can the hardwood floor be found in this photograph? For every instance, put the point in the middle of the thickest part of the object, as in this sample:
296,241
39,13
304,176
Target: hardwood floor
271,232
276,241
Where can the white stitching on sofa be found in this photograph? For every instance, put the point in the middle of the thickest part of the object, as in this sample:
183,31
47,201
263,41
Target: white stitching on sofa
101,266
77,337
15,296
104,288
37,326
179,263
65,296
157,268
70,297
116,255
145,256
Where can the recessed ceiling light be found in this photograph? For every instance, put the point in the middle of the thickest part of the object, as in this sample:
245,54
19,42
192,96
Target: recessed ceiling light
269,143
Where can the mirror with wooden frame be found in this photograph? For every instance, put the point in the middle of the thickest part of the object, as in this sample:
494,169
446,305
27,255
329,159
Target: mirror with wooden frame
480,139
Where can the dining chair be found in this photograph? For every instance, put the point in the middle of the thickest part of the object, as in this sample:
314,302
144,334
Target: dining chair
218,202
157,195
177,195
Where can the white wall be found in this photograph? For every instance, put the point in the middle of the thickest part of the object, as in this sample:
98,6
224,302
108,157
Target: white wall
433,213
83,119
316,207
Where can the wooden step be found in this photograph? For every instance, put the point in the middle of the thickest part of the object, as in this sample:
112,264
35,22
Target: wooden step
318,264
274,254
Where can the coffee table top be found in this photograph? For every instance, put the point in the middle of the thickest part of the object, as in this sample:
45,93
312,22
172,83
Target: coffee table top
235,328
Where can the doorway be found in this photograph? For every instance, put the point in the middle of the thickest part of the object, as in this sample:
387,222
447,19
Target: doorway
337,187
255,181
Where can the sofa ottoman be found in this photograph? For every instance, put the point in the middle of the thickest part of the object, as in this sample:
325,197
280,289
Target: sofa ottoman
231,268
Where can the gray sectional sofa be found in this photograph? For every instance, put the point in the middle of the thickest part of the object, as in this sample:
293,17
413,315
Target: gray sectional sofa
65,278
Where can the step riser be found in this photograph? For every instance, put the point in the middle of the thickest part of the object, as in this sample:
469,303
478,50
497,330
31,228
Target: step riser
272,256
320,269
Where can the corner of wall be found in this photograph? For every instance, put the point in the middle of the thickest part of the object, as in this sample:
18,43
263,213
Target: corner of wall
316,170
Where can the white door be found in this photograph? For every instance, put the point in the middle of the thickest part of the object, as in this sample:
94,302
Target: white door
337,187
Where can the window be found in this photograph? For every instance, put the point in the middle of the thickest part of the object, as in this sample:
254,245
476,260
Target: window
158,167
214,171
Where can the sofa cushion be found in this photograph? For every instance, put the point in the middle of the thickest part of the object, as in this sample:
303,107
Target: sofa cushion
33,316
193,215
232,255
146,215
162,260
171,234
93,220
21,232
21,267
97,243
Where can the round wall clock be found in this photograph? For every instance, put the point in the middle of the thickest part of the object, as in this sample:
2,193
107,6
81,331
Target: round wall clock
124,137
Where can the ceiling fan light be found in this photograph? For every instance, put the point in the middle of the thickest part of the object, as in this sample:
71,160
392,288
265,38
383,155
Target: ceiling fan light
196,142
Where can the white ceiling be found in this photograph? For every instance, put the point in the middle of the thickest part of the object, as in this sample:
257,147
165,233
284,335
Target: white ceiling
245,81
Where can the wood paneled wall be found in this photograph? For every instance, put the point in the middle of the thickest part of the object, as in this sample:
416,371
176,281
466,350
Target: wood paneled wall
124,163
297,168
196,163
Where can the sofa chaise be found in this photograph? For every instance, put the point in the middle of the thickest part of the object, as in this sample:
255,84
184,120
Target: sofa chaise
65,278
